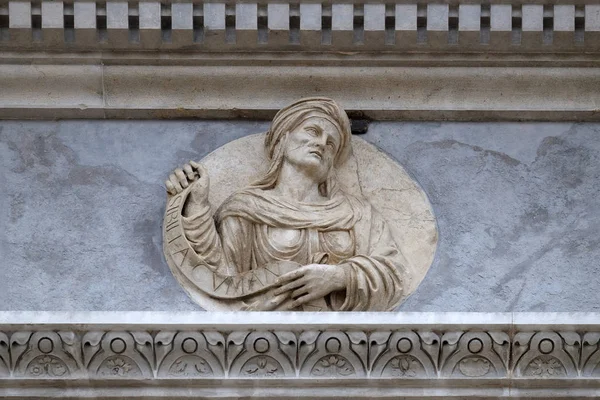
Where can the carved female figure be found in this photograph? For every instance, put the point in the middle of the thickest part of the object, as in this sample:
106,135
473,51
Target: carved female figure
340,249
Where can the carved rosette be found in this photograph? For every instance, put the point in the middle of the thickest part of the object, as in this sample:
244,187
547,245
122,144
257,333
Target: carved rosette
262,354
403,355
547,354
116,355
474,354
47,355
189,354
333,354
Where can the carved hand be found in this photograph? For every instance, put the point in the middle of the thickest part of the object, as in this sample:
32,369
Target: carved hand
312,282
194,174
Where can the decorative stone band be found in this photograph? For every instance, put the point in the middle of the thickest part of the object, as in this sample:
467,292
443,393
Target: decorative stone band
289,355
503,25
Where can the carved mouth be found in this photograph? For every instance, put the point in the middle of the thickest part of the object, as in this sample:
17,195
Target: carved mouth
316,153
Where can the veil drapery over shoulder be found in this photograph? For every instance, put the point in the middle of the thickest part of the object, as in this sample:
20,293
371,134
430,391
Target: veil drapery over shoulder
377,268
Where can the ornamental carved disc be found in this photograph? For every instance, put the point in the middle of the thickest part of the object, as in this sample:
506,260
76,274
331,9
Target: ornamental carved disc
305,217
368,172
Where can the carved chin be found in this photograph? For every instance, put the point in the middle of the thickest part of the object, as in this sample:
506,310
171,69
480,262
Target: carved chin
319,168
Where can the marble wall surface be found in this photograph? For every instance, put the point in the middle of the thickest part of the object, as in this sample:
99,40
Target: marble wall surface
517,206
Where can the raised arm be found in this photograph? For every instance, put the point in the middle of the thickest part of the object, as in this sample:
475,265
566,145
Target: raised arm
197,219
225,247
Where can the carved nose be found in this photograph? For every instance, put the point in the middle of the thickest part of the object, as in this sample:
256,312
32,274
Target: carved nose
320,142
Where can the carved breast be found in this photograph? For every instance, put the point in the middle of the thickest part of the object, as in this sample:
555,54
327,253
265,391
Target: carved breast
284,239
338,244
293,244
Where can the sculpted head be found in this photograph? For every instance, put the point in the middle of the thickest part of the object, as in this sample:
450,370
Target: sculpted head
313,134
312,146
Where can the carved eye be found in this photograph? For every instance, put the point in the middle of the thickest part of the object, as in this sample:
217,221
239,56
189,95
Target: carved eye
312,131
331,144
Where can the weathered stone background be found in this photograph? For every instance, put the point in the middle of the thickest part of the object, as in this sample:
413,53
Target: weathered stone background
518,208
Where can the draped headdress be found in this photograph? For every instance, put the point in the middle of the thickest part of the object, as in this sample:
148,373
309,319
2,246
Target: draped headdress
257,204
287,119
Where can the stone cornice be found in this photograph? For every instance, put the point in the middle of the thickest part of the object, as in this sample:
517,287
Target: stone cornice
299,355
415,60
222,91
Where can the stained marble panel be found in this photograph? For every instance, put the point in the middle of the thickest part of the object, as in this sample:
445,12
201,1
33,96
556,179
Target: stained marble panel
517,206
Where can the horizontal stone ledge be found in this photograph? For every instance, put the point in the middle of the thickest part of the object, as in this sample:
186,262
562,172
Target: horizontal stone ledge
132,320
257,92
309,59
67,113
300,389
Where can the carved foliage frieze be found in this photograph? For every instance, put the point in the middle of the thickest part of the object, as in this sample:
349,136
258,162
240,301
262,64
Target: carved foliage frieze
403,354
474,354
333,354
547,354
347,354
189,354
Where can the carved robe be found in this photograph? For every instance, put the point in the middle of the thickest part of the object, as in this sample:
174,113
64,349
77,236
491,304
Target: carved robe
254,227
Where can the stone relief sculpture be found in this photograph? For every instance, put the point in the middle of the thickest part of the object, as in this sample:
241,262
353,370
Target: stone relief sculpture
294,239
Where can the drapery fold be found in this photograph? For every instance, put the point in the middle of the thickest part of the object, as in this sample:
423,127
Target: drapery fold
236,240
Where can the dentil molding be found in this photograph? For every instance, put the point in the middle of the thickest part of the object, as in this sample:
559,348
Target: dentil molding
420,60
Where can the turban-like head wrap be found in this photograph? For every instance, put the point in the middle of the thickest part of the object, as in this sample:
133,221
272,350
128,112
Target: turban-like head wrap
288,118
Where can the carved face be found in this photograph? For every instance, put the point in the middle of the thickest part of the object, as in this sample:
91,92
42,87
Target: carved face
312,146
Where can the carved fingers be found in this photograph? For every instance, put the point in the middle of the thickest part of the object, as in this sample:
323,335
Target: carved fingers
173,185
311,282
183,177
275,302
294,284
290,276
267,305
189,171
307,298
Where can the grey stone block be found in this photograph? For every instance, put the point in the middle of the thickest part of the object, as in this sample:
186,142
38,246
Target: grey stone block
500,26
437,25
564,26
117,23
310,25
53,23
469,25
19,15
85,23
342,25
278,24
374,25
214,25
533,26
19,22
182,23
406,26
592,26
150,24
246,24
